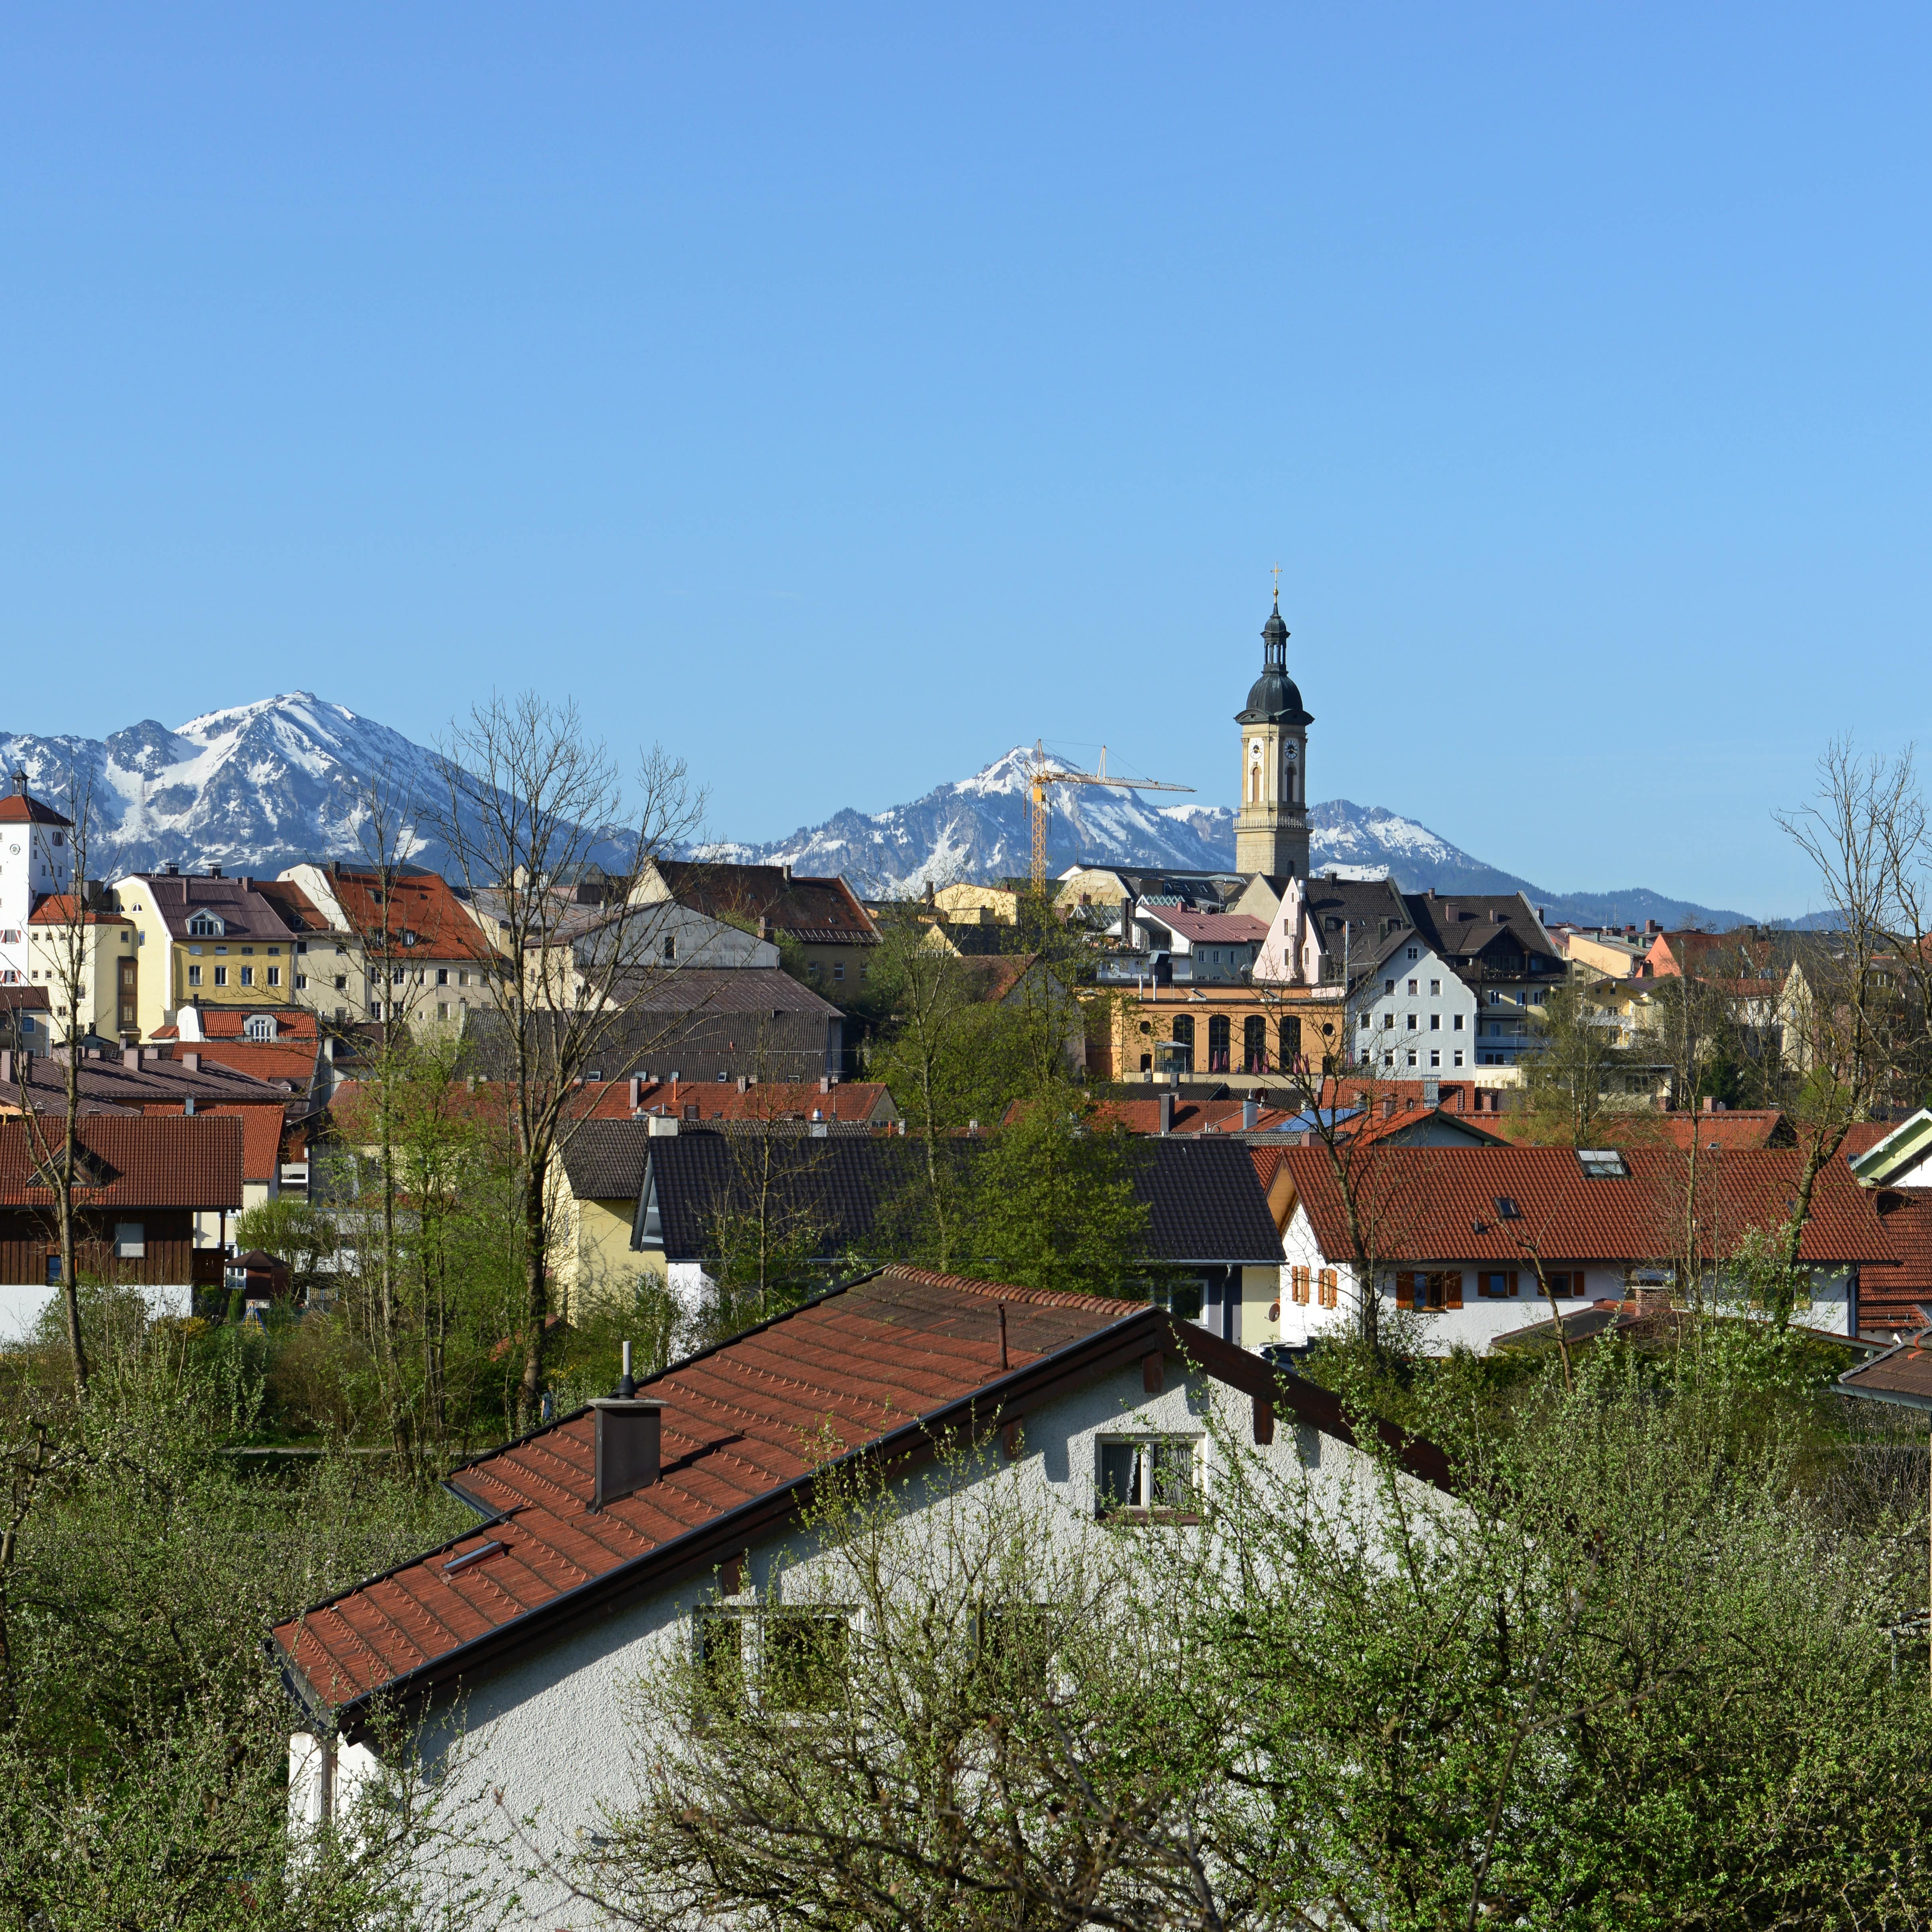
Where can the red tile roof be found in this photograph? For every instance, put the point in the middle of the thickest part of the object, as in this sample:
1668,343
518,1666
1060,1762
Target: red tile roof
230,1023
58,909
172,1161
1893,1298
1740,1127
262,1059
1902,1374
420,903
23,809
1439,1204
883,1364
262,1130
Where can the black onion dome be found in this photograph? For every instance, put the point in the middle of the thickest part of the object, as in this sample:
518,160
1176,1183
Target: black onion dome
1274,698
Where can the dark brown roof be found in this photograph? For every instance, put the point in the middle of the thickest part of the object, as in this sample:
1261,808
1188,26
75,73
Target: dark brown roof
244,906
1902,1374
150,1161
604,1160
1463,927
724,989
816,911
884,1366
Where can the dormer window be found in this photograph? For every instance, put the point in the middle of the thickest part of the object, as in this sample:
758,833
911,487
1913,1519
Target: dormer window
205,925
259,1026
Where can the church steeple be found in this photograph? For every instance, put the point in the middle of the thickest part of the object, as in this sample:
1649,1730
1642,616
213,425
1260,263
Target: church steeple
1271,828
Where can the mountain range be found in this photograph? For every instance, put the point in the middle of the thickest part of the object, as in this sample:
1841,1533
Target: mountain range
257,786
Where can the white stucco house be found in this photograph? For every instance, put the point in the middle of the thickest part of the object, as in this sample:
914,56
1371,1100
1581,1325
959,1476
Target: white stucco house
1458,1235
1415,1017
622,1532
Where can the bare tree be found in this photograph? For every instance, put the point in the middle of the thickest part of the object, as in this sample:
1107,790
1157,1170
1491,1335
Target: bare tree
1864,832
529,801
66,933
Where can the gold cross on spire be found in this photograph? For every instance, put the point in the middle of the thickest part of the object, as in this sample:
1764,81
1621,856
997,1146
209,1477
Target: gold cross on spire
1277,583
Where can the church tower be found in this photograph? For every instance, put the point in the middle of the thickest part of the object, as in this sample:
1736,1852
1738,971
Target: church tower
1271,828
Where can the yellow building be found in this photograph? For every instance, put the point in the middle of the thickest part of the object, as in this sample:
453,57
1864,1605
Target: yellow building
110,964
978,904
203,938
1216,1031
594,1182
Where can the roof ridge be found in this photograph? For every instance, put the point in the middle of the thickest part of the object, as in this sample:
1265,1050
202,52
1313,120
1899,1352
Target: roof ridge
995,1290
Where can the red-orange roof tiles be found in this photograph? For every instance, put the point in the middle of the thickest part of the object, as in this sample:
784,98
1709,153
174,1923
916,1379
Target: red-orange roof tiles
1439,1204
155,1161
740,1422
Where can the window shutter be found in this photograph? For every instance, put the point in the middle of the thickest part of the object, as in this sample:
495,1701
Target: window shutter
1264,1421
1453,1283
1405,1291
1512,1281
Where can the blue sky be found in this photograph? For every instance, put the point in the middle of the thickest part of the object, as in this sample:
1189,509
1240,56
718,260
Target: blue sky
841,396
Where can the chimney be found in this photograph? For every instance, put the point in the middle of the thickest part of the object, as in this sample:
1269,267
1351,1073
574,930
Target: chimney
171,870
786,869
1167,1111
637,1093
1650,925
1710,1106
192,1061
625,1434
664,1126
6,1063
743,1083
131,1058
1251,1115
1542,915
214,871
1431,892
825,1083
188,1108
1388,1107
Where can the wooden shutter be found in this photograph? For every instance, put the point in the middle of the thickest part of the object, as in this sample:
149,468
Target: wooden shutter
1452,1284
1301,1284
1405,1291
1264,1421
1330,1283
1512,1281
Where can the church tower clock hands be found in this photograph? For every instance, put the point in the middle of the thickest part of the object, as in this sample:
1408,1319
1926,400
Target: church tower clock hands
1271,827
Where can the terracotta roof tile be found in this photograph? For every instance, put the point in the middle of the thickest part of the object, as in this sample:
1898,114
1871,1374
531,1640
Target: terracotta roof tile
1439,1204
156,1161
739,1422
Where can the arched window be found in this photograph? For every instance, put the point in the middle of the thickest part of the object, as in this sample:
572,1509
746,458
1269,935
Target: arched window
1290,1043
259,1026
1218,1034
1183,1030
1254,1044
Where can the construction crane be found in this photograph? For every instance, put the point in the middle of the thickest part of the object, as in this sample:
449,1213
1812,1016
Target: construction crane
1044,775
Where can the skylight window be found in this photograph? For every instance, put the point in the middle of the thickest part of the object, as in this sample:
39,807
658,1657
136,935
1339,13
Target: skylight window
1507,1209
1602,1164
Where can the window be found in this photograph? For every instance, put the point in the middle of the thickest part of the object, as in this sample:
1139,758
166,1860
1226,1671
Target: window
194,975
395,976
1435,1056
341,983
791,1660
1388,1023
1412,1023
221,976
1457,1059
1289,1033
1220,1034
1147,1476
1422,1292
247,976
443,976
259,1026
1388,987
812,969
130,1240
1411,989
670,949
1498,1285
839,969
274,976
1507,1210
375,1009
300,946
1388,1059
1254,1044
1434,1022
60,839
1435,988
1602,1164
443,1009
1415,953
53,1271
462,976
1411,1056
1456,1026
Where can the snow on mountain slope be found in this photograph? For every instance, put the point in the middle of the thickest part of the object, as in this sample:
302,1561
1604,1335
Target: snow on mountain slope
256,787
251,788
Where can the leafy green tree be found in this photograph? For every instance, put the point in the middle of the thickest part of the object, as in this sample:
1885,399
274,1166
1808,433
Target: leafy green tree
1053,1204
1567,1080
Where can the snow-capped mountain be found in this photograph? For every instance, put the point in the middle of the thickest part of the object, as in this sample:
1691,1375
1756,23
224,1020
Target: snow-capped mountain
978,828
258,786
251,789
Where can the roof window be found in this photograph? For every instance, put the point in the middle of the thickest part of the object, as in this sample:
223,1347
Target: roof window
1507,1210
259,1026
205,925
1602,1164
